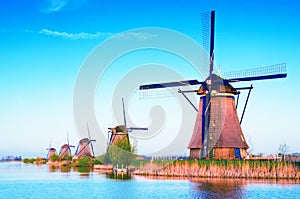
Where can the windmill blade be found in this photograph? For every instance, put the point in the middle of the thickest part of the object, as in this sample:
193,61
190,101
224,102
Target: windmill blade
170,84
87,125
92,148
249,92
109,137
50,143
136,128
68,138
69,146
48,154
124,116
90,141
261,73
49,148
77,152
189,101
208,36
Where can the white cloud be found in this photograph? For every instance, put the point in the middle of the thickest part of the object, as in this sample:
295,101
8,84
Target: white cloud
56,5
50,6
97,35
75,36
135,35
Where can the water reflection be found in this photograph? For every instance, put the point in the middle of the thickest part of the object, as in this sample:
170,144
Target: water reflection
62,169
219,188
65,169
52,168
83,171
118,176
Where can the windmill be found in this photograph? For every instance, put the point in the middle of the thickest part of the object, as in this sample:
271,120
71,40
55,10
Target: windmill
51,151
121,131
85,146
217,131
65,150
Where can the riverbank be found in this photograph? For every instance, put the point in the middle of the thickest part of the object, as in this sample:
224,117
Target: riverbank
248,169
222,169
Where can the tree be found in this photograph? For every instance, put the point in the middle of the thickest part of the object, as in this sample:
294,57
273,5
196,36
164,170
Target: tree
283,150
120,152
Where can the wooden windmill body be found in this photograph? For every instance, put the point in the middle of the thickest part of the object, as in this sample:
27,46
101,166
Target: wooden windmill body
217,132
65,150
226,138
85,146
118,133
51,151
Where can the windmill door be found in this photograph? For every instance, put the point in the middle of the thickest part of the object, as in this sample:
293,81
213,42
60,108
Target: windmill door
237,153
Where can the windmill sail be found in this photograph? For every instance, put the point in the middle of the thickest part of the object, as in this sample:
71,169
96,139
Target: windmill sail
124,116
170,84
261,73
121,131
209,84
90,140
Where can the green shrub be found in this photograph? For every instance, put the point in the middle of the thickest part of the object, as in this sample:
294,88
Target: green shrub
84,162
67,157
54,158
96,161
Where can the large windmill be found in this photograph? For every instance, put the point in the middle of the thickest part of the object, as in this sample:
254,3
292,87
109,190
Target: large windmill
65,150
121,131
217,131
85,146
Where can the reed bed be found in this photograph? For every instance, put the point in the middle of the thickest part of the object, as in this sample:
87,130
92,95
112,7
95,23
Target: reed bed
222,169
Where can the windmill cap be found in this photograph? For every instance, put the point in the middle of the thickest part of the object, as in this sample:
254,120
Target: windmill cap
84,140
218,84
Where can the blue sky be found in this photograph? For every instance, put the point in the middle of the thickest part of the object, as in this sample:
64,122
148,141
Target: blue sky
44,44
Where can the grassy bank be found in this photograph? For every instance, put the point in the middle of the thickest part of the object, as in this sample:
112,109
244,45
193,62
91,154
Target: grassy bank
56,161
221,169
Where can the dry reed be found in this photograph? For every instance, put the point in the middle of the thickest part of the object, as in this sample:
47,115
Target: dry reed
222,169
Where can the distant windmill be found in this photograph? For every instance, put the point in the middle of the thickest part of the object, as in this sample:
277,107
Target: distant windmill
85,146
121,131
51,151
217,132
65,150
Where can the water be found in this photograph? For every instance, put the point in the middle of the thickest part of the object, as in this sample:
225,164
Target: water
18,180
